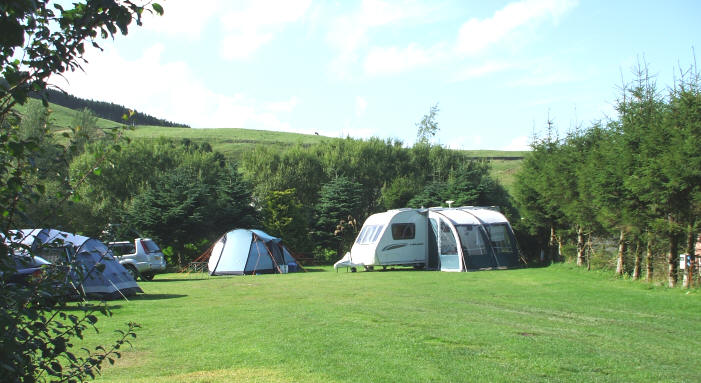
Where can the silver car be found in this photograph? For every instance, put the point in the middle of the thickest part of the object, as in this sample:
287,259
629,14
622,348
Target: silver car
142,258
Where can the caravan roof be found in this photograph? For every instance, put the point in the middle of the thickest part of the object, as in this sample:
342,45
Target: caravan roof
458,217
486,215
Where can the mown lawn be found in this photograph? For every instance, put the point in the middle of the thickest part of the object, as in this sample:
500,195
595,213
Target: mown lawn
550,324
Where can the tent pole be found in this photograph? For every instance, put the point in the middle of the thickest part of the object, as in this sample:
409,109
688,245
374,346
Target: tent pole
255,239
270,254
118,290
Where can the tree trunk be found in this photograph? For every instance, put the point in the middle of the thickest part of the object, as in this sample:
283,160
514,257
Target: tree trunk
551,245
638,260
673,254
590,252
691,252
649,259
580,246
621,252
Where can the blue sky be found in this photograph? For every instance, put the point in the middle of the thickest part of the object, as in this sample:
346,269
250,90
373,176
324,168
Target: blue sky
496,69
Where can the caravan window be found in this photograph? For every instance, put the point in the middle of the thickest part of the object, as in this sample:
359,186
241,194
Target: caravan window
363,231
403,231
369,234
377,233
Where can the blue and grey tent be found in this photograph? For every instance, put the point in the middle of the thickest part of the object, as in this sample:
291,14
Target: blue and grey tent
244,251
93,270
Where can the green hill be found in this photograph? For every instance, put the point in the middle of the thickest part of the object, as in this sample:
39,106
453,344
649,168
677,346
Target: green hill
234,142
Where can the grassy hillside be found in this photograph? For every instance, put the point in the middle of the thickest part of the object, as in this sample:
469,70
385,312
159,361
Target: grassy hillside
61,117
234,142
553,324
231,142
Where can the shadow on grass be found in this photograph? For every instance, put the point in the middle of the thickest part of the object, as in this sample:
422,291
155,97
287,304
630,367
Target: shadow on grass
313,270
72,308
381,270
198,278
154,297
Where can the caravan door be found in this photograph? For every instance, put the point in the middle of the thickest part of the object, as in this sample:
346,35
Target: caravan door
448,249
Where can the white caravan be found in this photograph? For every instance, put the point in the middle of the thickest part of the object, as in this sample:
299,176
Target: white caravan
447,239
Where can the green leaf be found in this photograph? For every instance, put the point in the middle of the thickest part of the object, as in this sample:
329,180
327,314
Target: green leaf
157,7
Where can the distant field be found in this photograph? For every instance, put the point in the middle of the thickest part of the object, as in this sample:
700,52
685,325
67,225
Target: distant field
552,324
234,142
505,172
61,117
512,154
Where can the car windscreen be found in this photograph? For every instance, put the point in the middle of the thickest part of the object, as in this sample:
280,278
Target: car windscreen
150,246
122,249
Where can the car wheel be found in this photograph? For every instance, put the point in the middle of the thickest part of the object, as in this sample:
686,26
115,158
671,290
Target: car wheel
147,276
133,272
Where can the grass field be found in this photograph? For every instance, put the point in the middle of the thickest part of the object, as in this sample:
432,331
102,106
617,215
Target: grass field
551,324
232,142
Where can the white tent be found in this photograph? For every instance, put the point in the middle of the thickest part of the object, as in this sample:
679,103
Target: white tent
243,251
57,246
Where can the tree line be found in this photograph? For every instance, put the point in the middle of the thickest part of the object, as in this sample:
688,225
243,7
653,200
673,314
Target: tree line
107,110
184,194
636,176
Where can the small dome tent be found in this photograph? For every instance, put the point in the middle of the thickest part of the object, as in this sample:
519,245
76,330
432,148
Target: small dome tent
56,246
243,251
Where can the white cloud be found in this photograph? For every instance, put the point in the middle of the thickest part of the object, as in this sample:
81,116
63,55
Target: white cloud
182,19
350,130
465,142
518,143
473,37
476,35
349,34
541,77
377,12
485,69
360,106
253,25
286,106
242,45
392,60
171,90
